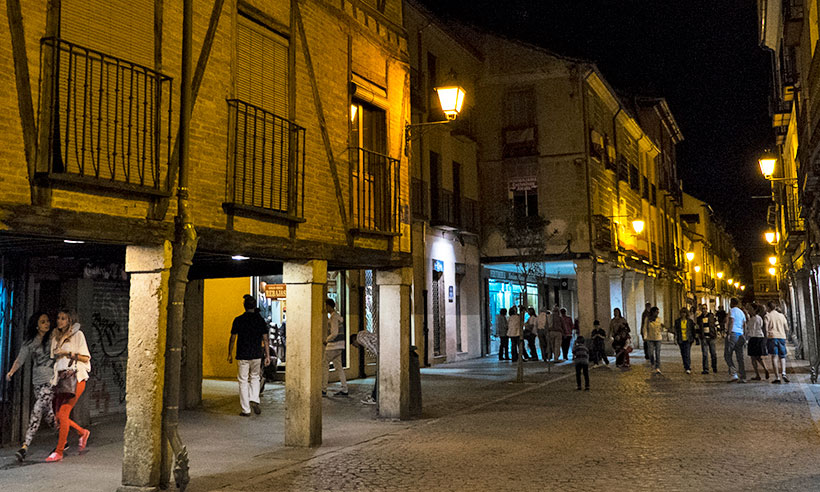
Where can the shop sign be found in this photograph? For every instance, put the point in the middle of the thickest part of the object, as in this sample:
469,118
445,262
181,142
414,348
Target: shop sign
438,266
524,183
450,293
276,291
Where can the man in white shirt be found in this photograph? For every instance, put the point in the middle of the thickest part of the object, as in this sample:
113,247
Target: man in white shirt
735,329
334,345
776,327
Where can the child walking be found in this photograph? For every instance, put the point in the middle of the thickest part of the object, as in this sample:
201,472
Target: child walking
580,355
598,348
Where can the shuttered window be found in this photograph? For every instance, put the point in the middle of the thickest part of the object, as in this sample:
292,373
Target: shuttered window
120,28
262,67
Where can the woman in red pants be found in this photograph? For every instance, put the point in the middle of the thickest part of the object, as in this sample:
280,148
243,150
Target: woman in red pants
69,349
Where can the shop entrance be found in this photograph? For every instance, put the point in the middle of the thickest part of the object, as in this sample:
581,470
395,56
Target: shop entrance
439,320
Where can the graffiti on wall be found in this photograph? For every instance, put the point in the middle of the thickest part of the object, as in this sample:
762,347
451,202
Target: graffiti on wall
108,343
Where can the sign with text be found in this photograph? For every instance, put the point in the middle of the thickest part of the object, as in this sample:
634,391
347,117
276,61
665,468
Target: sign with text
276,291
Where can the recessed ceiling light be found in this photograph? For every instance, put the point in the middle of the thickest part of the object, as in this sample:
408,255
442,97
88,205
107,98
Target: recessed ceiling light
240,257
71,241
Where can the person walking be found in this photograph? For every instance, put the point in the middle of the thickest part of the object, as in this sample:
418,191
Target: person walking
514,331
369,342
721,321
757,339
37,348
580,356
566,333
70,352
501,332
776,327
706,333
555,333
334,347
684,335
735,340
653,334
598,344
250,334
644,316
541,327
529,335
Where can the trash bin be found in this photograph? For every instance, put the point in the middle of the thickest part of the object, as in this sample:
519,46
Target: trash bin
415,383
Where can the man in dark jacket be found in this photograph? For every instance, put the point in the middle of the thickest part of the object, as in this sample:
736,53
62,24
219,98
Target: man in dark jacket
684,335
706,333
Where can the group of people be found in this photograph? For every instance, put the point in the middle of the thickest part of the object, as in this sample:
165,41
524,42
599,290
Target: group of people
553,329
61,364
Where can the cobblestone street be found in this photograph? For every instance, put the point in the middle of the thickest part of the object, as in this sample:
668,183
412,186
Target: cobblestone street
480,431
633,431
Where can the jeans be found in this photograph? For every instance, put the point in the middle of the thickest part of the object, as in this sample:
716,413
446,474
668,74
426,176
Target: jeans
544,343
514,342
249,382
686,354
335,356
707,346
565,343
734,345
530,338
585,369
654,353
504,348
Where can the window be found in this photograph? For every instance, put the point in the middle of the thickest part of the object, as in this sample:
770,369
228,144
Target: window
434,112
266,149
456,192
596,146
634,178
645,188
374,175
520,133
525,202
653,198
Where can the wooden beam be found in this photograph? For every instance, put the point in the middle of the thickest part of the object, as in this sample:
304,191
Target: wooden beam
159,208
320,114
61,223
23,81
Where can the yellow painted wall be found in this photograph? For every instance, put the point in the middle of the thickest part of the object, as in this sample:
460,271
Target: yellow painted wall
223,302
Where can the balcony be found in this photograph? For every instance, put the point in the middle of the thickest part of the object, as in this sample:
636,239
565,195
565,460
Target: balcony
374,192
603,233
623,169
105,122
266,164
520,142
469,215
418,198
443,211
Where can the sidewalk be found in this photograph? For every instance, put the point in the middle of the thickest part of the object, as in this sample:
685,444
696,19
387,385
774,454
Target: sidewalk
464,403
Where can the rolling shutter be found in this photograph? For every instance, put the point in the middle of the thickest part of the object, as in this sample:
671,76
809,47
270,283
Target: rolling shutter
262,67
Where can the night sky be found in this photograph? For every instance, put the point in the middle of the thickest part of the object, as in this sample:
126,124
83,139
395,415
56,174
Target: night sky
701,55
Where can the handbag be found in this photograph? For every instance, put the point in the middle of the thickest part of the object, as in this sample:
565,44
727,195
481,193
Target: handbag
66,382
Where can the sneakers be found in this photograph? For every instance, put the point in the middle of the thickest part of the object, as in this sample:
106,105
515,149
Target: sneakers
784,378
244,414
341,393
20,455
54,457
657,370
256,408
776,381
688,371
369,401
84,439
734,379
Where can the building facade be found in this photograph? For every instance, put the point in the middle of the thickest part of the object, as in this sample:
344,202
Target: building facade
296,174
788,31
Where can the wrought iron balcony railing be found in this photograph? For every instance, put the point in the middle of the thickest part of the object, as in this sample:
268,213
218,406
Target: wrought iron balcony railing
443,209
105,122
374,191
266,163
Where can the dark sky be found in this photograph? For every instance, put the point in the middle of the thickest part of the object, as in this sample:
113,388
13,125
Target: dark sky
701,55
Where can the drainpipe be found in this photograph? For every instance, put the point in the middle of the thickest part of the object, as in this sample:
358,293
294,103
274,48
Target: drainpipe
592,252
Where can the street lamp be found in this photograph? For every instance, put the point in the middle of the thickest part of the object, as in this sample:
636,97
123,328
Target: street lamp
637,226
719,275
451,98
742,287
697,268
690,255
770,236
767,162
772,271
773,260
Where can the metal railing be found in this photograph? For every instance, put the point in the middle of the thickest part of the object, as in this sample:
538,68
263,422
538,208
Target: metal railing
418,198
374,191
469,215
105,117
266,160
442,208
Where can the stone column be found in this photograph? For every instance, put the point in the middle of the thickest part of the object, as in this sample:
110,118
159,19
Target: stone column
394,342
604,307
586,299
640,302
149,267
616,289
631,311
306,284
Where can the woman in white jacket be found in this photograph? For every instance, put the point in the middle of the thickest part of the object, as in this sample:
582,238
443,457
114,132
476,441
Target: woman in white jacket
70,350
514,331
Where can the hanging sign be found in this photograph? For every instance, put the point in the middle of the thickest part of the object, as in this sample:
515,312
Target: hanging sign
276,291
438,266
